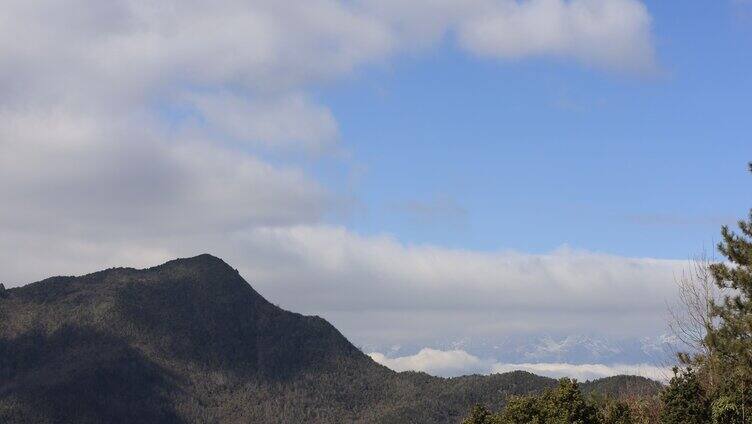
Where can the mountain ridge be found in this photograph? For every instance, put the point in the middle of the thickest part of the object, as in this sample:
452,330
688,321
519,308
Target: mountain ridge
190,340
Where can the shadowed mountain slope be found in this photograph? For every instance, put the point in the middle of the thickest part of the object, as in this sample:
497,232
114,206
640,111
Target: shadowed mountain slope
191,341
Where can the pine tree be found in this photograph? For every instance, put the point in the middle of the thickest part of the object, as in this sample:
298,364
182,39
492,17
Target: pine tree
731,340
684,400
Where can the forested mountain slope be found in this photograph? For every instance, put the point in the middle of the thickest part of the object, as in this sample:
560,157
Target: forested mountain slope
191,341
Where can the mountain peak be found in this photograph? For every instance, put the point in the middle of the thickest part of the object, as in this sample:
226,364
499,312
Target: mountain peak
191,341
204,258
203,261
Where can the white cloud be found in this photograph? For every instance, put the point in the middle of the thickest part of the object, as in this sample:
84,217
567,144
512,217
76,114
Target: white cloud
458,362
607,34
146,46
435,362
613,34
433,277
133,50
380,291
69,171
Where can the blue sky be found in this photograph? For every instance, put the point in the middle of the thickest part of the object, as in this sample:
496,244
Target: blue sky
536,154
451,181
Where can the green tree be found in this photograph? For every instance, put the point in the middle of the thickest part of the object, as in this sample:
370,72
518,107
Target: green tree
726,410
522,410
684,400
615,412
564,405
567,405
731,340
481,415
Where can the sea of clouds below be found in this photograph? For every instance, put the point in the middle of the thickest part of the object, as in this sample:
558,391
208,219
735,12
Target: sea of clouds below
451,363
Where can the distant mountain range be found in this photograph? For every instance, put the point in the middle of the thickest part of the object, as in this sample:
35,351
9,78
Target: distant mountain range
571,349
191,341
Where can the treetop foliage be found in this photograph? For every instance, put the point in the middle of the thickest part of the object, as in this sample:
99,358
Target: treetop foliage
565,404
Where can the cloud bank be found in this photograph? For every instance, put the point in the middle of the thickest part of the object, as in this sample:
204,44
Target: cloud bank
398,292
380,292
458,362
